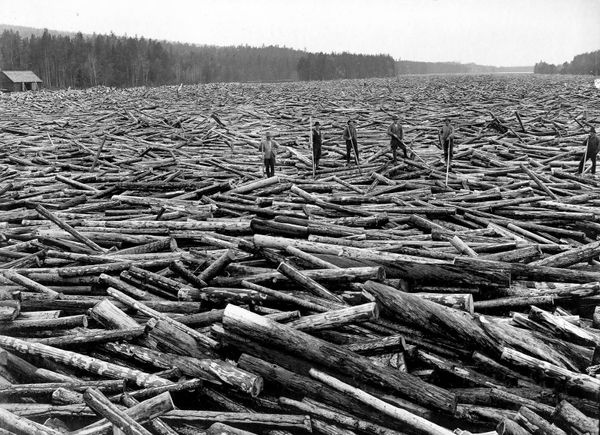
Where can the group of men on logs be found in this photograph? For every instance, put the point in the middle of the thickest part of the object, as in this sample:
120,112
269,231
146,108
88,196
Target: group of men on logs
445,135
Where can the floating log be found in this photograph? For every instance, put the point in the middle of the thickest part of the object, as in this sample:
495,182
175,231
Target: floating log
571,420
578,383
336,318
122,247
142,412
243,322
414,422
411,309
12,422
92,365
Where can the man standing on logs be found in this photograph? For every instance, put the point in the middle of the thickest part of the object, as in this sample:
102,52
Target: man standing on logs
317,141
350,138
591,152
396,133
269,147
446,136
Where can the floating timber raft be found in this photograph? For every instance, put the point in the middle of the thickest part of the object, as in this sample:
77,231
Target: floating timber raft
152,280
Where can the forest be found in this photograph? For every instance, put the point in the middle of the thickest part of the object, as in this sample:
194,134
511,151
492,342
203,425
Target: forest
75,60
586,63
80,61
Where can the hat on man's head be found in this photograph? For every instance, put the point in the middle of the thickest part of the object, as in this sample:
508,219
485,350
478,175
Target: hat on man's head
269,134
395,117
317,123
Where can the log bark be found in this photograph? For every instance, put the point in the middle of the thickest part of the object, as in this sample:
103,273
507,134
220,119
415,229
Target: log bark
396,265
62,396
307,283
299,423
312,259
563,328
510,427
570,257
79,361
536,424
44,389
156,425
287,298
243,322
92,336
217,266
462,247
224,429
584,385
106,313
68,228
13,422
103,407
414,422
432,317
29,283
144,411
336,318
211,369
66,322
459,301
571,420
200,338
336,417
179,268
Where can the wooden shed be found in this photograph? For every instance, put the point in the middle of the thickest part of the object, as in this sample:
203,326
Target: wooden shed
15,81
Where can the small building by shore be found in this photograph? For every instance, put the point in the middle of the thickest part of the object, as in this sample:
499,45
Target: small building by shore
16,81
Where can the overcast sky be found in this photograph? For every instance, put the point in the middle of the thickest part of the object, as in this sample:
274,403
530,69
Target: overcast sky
490,32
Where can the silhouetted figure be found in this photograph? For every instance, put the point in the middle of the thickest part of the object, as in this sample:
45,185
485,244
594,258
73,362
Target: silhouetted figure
350,138
317,142
446,136
591,152
269,147
396,134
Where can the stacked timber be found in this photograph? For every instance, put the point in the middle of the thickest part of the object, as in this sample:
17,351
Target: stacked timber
152,280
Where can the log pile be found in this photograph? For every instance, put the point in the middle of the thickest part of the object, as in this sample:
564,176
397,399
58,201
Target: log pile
152,280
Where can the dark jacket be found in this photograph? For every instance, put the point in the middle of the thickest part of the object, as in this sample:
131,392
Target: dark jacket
317,137
349,132
593,144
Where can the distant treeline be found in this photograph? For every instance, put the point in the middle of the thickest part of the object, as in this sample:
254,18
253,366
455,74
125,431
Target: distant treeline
412,67
321,66
78,61
586,63
75,60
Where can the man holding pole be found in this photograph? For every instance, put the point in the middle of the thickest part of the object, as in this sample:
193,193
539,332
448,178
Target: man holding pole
350,137
591,152
269,147
446,136
317,141
396,133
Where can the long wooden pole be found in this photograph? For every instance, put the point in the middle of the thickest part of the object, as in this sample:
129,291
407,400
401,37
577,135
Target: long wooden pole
416,423
101,405
447,163
583,170
312,147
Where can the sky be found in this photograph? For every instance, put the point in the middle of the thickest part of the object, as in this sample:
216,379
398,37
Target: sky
487,32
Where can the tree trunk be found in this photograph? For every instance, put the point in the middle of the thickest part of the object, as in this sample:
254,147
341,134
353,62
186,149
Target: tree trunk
265,331
83,362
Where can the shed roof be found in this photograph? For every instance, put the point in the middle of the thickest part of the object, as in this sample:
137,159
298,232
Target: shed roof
21,76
